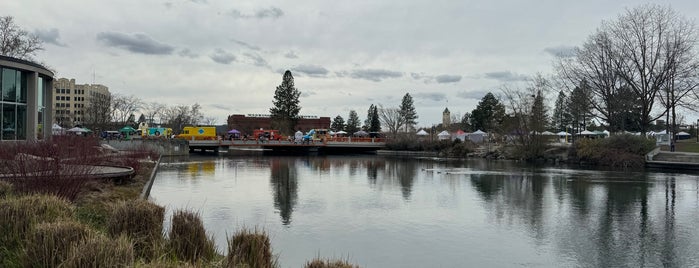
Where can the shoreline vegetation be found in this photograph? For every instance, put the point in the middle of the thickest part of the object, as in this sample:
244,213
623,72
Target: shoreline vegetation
52,214
627,151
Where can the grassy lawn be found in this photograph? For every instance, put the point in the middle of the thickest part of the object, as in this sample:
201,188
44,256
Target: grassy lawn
689,146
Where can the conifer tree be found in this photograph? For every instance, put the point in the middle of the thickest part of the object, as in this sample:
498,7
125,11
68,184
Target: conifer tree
407,111
285,111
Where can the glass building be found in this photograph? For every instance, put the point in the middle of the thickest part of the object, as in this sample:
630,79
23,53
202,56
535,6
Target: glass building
25,88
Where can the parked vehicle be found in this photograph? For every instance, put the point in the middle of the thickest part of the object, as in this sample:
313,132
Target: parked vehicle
197,133
317,135
158,132
266,134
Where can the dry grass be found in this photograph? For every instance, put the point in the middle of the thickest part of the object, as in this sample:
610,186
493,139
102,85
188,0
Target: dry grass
141,221
5,189
50,243
188,238
249,249
325,263
101,251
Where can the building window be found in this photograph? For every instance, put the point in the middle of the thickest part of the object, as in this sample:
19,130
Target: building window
68,91
58,91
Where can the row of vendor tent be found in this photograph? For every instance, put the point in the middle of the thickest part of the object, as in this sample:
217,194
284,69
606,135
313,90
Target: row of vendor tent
476,136
58,130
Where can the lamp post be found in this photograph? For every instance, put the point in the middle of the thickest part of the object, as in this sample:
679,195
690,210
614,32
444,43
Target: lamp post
697,130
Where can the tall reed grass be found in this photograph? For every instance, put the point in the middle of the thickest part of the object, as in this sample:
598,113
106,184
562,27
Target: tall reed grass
249,248
101,251
142,222
49,243
6,189
188,237
326,263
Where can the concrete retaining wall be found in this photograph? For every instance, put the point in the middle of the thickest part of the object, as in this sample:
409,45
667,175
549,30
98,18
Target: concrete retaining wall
162,147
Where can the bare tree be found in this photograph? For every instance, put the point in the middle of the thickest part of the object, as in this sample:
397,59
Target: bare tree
152,111
392,118
124,106
15,42
98,113
209,120
651,51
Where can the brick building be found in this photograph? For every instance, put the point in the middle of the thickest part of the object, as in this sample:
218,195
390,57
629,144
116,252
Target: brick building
246,124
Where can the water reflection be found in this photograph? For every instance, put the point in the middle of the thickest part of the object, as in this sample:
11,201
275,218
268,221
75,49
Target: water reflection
284,186
450,211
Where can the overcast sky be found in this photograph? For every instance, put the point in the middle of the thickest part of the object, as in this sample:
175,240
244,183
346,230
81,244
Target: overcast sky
229,56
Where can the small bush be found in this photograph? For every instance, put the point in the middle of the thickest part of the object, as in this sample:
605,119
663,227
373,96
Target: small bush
101,251
142,222
49,243
322,263
249,249
188,237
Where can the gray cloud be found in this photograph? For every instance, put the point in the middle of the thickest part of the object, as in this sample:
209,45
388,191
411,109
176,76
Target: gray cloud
222,57
249,46
256,59
375,75
476,95
168,5
306,94
50,36
422,76
561,51
506,76
445,78
188,53
431,96
198,1
272,12
225,107
311,70
291,55
137,43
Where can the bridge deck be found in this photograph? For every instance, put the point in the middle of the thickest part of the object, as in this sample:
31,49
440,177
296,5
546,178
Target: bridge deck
333,143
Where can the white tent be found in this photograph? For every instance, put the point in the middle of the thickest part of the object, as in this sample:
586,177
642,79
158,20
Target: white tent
682,133
298,136
563,133
548,133
422,132
444,135
341,132
586,132
477,136
57,130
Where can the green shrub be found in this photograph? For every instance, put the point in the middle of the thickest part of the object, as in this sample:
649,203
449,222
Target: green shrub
188,237
323,263
249,249
142,222
49,243
101,251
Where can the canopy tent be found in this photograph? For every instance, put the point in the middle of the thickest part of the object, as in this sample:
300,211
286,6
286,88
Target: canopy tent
341,132
233,131
586,133
477,136
79,130
461,135
563,133
361,133
57,130
683,135
422,132
127,129
443,135
548,133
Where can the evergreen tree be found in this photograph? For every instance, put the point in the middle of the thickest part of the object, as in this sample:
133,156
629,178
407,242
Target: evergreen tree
338,124
561,115
580,108
141,119
285,111
538,119
488,115
352,122
407,111
375,123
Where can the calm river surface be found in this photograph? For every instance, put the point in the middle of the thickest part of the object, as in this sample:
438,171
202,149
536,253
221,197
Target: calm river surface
402,212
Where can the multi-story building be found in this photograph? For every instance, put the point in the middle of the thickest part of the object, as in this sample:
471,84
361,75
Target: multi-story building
24,89
247,124
74,104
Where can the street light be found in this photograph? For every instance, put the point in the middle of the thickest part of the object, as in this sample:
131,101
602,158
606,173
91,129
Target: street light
697,130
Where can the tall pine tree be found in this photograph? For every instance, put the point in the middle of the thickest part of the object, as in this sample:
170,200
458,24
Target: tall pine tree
352,122
285,112
561,119
407,111
338,124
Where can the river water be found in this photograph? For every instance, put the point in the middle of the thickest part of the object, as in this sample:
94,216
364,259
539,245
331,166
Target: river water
404,212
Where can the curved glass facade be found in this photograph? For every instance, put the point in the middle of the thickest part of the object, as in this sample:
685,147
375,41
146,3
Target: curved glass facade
23,92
